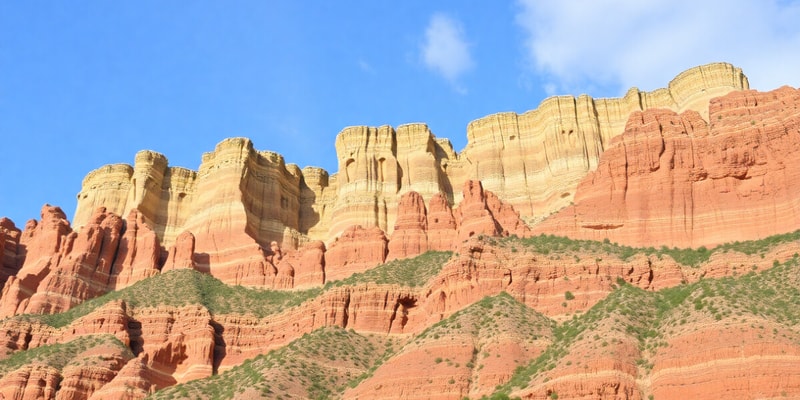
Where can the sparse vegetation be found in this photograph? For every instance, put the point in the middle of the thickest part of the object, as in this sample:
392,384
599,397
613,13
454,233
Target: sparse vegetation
303,365
411,272
314,362
59,355
184,287
551,244
773,294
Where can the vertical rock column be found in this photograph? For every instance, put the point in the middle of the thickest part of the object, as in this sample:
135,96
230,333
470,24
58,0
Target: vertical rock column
369,178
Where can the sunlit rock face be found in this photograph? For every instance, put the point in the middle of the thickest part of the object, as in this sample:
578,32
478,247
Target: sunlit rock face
532,161
676,180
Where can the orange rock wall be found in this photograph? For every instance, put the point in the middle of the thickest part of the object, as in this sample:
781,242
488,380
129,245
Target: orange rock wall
533,161
675,180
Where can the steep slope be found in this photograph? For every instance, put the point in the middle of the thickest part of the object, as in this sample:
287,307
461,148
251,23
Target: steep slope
732,337
185,325
464,355
317,365
676,180
72,370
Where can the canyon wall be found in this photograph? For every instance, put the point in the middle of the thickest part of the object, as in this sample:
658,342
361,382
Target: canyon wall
50,268
533,161
668,167
677,180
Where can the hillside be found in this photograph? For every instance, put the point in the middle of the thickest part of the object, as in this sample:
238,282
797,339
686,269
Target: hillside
640,248
611,317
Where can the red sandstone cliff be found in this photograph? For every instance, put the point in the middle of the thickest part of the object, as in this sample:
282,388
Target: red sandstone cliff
671,179
676,180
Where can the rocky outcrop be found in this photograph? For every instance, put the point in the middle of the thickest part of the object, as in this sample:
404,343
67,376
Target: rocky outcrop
356,250
43,242
410,232
253,191
181,254
81,268
441,224
73,370
62,268
32,381
675,180
479,213
755,358
483,213
305,265
137,254
532,161
82,380
177,344
11,254
446,362
110,254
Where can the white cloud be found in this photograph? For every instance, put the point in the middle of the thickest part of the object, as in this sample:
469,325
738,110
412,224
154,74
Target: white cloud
445,49
612,45
365,66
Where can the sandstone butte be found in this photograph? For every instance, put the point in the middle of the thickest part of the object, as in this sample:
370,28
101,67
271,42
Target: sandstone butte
702,162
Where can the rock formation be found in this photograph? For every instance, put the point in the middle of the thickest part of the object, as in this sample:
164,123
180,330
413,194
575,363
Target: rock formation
227,278
356,250
43,242
253,192
673,179
10,258
137,255
410,231
476,349
479,213
533,161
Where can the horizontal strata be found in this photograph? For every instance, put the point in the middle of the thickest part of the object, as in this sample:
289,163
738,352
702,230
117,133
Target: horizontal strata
175,343
614,321
532,161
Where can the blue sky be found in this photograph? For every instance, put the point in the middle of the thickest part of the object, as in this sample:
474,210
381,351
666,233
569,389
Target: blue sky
84,84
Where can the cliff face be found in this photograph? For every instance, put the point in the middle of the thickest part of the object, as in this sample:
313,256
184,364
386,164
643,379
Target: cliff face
62,268
533,161
52,268
674,179
237,279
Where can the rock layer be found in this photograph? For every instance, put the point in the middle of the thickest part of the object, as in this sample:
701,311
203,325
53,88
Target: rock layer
675,180
176,344
533,161
247,218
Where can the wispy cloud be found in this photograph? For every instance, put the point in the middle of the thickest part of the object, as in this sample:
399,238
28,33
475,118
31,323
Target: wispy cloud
365,66
616,44
446,50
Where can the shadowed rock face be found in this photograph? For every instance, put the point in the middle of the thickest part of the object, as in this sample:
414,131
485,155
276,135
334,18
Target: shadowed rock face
675,180
12,254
